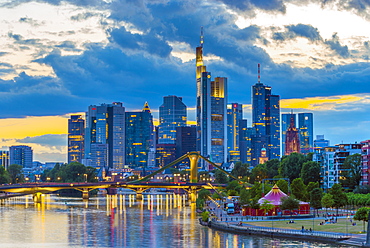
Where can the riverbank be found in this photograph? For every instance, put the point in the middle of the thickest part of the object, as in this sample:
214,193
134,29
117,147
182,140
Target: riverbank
316,236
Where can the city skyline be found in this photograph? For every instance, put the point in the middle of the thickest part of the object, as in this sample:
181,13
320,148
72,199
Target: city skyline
57,58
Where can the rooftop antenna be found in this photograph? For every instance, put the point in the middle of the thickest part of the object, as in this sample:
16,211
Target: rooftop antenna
259,73
201,36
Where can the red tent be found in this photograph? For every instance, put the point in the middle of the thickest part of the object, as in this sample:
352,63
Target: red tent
274,197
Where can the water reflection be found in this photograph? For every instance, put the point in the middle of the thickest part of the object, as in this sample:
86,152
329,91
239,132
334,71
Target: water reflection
164,220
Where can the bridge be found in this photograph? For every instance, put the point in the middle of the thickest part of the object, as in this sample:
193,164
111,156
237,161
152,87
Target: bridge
139,186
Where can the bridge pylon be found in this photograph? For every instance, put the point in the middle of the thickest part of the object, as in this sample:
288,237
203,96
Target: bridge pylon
193,157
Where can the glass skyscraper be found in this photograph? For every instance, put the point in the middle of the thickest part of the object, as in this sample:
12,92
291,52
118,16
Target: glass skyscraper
305,126
172,114
76,137
211,112
266,121
139,137
105,124
21,155
234,115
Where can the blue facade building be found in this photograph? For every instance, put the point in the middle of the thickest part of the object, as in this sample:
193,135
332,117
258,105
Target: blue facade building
305,127
21,155
172,114
76,138
234,116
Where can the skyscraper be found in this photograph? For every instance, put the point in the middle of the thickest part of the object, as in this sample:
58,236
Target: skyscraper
172,114
211,112
139,137
4,159
285,123
266,121
21,155
105,124
185,141
305,126
292,143
76,137
234,115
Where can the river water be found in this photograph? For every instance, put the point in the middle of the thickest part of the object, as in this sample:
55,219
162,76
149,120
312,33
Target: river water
164,220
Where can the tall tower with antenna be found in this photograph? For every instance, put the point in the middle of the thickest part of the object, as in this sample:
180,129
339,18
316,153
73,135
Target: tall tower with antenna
265,121
211,111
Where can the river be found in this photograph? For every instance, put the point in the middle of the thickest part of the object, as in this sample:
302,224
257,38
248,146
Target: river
164,220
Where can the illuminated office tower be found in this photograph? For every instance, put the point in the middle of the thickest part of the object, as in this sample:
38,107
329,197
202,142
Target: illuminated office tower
292,143
4,159
76,136
285,123
139,137
234,115
21,155
105,124
172,114
211,112
245,141
305,126
266,121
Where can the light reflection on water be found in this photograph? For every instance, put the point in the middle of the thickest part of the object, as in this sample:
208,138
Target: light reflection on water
164,220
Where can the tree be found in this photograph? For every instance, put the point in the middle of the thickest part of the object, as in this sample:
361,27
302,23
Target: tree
283,185
315,198
339,197
15,173
203,194
73,172
220,177
4,176
311,186
351,171
289,203
245,196
258,173
240,170
266,206
233,188
272,167
362,214
299,189
327,201
291,166
310,172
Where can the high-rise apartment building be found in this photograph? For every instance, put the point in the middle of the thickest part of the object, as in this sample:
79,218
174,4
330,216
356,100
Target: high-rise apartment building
305,127
172,114
76,137
320,142
234,116
105,124
139,137
21,155
266,121
365,160
211,112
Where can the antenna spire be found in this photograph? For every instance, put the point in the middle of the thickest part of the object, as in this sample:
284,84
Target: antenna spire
259,73
201,36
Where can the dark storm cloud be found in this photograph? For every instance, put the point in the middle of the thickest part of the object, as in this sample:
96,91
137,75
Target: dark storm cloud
46,140
299,30
335,45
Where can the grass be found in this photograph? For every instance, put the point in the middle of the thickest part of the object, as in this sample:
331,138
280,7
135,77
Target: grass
343,225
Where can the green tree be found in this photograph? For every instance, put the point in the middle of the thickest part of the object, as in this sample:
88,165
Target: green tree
203,194
327,201
240,170
311,186
233,188
245,196
299,189
220,177
339,197
15,173
291,165
266,206
283,185
289,203
351,171
315,198
362,214
258,173
205,216
272,167
4,176
310,172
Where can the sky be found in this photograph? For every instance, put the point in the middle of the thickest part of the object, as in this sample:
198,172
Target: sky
58,57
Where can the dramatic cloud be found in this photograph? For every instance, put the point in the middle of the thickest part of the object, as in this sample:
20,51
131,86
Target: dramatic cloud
335,45
46,140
